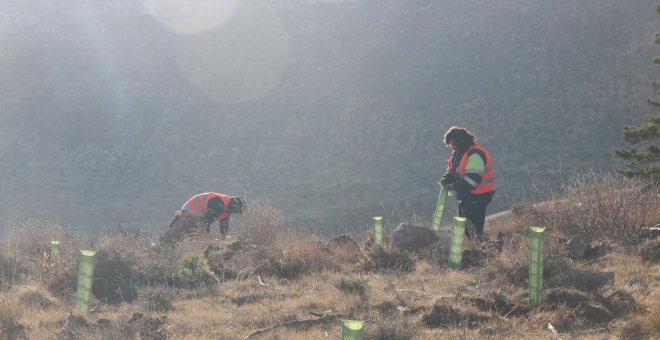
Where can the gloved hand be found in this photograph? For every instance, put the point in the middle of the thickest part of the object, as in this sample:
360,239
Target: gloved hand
447,180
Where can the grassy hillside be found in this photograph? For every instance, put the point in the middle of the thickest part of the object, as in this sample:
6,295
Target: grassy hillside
265,283
331,110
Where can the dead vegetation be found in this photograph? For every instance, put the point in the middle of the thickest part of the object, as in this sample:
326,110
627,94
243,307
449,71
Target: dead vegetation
299,286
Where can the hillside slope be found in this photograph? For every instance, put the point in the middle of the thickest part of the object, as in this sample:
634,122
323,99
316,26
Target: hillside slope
331,110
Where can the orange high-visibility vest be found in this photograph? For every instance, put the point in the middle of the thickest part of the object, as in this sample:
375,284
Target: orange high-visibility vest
198,204
487,179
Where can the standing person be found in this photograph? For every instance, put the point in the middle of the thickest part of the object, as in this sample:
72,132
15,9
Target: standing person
470,175
211,207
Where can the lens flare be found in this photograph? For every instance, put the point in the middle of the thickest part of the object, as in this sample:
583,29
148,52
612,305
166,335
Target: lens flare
190,16
241,60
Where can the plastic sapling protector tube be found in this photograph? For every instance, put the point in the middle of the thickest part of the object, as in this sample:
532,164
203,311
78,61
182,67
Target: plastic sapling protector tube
456,248
85,278
440,208
54,249
352,330
378,230
536,265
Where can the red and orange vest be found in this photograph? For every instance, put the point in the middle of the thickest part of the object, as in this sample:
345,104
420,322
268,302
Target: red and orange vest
488,178
198,204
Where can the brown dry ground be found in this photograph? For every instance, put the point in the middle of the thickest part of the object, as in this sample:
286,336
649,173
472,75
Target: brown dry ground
300,286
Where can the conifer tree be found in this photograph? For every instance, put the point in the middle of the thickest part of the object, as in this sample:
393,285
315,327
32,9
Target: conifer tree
644,155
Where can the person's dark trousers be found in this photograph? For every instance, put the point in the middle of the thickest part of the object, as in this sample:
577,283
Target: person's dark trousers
475,212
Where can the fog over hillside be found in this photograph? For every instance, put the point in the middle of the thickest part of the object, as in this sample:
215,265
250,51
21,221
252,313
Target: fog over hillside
118,111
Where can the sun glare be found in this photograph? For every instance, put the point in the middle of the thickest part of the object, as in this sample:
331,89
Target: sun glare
191,16
241,60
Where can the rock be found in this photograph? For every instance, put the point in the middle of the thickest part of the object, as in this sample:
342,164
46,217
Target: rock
578,246
409,237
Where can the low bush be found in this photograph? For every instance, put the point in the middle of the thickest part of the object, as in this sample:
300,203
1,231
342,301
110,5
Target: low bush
397,329
607,206
612,207
32,238
158,299
194,271
352,286
260,223
10,327
12,269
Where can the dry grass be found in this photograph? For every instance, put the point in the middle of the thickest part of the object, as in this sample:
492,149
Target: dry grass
300,286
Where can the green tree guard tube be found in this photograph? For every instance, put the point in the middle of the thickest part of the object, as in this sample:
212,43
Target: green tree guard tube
54,249
352,330
536,265
85,278
440,208
456,249
378,230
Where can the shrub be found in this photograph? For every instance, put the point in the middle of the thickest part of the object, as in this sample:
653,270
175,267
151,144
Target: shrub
396,329
193,271
352,286
11,270
611,206
607,206
32,238
114,277
260,223
10,328
158,299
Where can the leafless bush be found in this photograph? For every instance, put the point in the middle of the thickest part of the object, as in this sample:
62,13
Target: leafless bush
28,246
611,206
606,206
12,269
32,238
144,262
260,223
10,327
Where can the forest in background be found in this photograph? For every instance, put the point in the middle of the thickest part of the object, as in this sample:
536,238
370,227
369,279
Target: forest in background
333,111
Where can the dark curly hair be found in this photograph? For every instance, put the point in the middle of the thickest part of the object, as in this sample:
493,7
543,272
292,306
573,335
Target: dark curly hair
461,137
